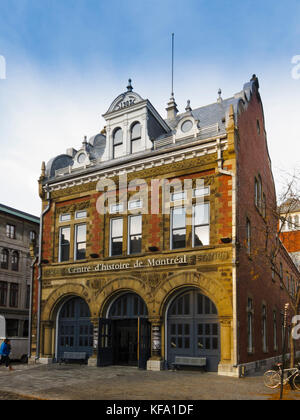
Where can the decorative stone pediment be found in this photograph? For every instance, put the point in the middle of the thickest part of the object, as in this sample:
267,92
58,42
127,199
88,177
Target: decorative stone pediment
125,100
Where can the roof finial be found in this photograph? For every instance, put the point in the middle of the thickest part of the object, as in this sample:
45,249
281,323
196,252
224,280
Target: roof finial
188,106
129,87
220,97
84,143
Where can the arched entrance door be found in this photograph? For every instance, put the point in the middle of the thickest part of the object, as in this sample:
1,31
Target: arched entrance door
193,328
75,330
124,336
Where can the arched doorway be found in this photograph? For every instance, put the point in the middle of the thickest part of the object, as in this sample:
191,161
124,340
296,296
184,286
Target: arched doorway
75,330
124,335
193,328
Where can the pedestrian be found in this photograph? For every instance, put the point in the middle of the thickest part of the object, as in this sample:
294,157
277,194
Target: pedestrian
5,351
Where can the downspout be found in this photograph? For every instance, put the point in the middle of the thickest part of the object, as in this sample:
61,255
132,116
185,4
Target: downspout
30,306
40,273
234,251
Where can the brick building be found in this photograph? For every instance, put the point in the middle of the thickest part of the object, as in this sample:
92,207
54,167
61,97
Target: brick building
17,231
290,231
178,263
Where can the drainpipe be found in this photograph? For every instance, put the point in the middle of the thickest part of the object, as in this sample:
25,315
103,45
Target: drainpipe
234,251
30,306
40,274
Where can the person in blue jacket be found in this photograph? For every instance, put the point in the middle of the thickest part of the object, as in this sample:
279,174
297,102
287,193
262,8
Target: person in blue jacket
5,350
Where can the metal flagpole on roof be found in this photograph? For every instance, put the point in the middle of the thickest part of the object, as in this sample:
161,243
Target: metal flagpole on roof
172,64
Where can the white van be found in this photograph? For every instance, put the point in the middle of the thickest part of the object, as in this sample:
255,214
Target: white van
19,345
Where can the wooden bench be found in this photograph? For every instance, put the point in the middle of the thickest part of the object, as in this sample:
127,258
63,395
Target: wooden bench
74,356
189,361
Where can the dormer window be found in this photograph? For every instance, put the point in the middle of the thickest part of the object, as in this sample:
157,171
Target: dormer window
187,126
81,158
118,143
135,137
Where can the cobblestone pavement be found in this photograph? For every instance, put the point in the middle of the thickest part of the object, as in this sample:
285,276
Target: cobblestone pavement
74,382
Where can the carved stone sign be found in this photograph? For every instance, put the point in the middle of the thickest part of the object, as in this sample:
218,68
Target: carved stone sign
150,262
137,264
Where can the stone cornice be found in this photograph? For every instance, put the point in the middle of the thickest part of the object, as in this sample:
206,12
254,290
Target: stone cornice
171,161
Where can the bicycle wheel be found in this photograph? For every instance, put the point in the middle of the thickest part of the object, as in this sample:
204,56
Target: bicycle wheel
272,379
296,381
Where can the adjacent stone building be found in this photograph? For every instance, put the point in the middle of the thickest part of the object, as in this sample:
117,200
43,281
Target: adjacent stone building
177,264
18,230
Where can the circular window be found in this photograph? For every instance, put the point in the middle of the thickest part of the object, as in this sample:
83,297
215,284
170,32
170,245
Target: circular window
186,126
81,158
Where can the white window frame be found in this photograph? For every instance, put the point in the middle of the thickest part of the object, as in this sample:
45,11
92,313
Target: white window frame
75,239
82,217
129,235
194,226
116,208
203,194
139,206
111,238
59,243
182,198
171,226
67,220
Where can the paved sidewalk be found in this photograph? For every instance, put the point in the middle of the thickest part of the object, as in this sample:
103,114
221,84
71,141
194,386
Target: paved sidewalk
73,382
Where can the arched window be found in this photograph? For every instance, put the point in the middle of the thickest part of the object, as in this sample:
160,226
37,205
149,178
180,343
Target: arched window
15,261
117,143
135,137
259,193
4,259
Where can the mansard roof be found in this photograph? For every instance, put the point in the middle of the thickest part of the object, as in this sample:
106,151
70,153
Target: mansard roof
210,121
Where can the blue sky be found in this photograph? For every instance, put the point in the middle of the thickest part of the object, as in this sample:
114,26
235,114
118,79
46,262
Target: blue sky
68,59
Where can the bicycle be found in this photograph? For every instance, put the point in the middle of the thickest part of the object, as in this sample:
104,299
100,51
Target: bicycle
272,378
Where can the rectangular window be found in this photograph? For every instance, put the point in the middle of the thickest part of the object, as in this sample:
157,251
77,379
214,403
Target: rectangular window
3,293
201,224
13,295
264,328
81,215
178,196
11,231
250,325
135,234
256,192
80,242
275,330
64,244
135,204
201,192
12,328
248,238
65,217
178,228
116,208
116,237
273,272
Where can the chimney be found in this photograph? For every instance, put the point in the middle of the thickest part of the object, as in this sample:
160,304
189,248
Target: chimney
172,109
